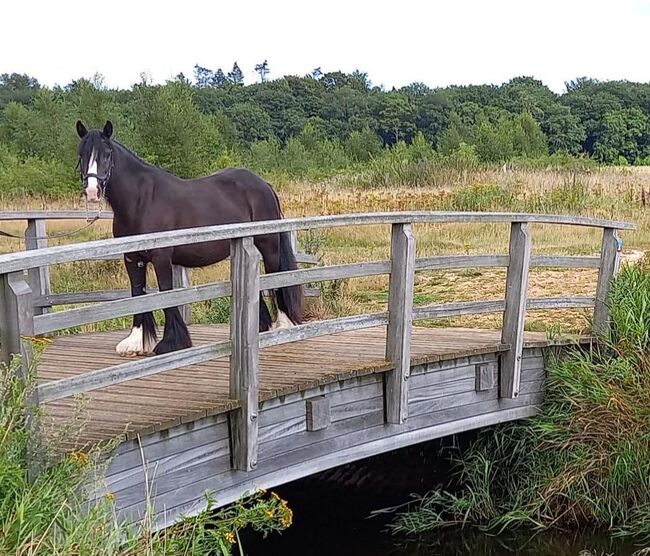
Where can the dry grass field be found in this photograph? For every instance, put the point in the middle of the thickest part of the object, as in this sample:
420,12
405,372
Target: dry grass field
616,193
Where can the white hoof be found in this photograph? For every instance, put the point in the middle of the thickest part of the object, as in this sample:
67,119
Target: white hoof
134,344
283,321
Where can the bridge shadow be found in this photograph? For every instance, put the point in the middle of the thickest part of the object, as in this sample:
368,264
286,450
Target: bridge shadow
332,514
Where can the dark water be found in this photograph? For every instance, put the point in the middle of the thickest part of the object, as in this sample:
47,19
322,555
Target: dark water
331,517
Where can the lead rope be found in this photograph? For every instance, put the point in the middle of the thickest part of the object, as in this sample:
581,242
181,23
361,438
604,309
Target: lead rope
90,221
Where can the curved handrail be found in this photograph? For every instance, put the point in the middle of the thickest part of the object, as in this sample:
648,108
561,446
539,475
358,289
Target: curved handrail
93,249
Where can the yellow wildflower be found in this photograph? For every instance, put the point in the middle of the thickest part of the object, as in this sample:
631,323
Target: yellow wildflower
230,537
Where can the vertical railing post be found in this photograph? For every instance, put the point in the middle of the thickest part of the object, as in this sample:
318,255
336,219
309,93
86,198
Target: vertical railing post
400,319
16,318
181,279
244,358
293,239
39,278
514,315
609,265
16,327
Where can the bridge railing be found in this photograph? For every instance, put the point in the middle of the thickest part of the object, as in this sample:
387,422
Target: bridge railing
18,321
35,237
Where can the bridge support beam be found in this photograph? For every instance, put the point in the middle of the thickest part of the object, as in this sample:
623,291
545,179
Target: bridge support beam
400,320
244,358
514,315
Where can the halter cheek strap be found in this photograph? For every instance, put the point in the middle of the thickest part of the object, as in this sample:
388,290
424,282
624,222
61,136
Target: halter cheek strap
102,181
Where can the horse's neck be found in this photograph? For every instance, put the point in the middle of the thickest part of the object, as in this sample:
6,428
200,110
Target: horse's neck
124,194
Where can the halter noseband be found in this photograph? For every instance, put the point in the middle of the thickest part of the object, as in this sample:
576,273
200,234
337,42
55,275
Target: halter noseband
102,181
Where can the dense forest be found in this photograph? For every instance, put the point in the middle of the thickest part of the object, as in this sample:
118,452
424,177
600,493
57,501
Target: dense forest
317,125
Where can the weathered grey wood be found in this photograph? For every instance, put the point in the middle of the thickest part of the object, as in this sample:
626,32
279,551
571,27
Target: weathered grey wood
52,215
18,309
306,258
486,376
74,298
128,306
106,247
39,278
400,319
323,273
353,440
318,413
293,241
16,320
514,315
564,262
181,279
577,302
113,295
460,261
295,447
116,374
321,328
244,358
199,445
609,265
443,310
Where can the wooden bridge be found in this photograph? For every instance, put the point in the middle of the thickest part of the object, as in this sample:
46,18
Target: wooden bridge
243,409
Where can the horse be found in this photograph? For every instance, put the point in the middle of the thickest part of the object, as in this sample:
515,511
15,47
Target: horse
146,199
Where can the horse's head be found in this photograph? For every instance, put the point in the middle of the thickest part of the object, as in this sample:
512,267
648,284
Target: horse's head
95,160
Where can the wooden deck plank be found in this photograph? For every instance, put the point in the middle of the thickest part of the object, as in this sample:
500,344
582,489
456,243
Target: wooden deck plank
162,400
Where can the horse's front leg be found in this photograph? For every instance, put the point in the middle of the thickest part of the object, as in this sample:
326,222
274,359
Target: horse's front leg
176,335
142,339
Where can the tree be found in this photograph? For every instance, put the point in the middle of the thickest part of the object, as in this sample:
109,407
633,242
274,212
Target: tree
625,133
16,87
171,131
252,123
220,79
396,118
236,76
203,76
263,70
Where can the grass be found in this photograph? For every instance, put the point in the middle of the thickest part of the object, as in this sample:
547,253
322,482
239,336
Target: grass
49,515
583,460
598,192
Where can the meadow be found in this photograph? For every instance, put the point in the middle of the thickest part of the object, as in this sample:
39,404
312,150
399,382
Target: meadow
607,192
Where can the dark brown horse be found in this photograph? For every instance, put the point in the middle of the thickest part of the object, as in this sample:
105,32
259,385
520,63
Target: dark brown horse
145,199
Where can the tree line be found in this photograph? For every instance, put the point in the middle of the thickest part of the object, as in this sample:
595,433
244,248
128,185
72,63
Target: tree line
322,122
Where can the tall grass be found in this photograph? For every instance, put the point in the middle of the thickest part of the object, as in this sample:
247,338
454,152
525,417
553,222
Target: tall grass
49,514
584,459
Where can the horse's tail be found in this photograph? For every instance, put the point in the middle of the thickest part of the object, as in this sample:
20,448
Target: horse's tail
290,298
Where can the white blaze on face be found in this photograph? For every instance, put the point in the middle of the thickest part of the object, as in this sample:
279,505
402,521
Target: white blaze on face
92,186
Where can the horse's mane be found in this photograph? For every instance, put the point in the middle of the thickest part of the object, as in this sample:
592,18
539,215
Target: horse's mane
139,159
94,140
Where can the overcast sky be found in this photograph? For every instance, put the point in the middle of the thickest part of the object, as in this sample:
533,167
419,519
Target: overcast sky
396,42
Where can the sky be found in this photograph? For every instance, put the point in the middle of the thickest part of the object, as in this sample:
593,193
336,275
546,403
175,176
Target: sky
398,42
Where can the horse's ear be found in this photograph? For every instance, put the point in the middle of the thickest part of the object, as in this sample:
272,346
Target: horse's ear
108,129
81,129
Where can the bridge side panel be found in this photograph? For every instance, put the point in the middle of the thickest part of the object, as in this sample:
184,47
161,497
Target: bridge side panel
186,461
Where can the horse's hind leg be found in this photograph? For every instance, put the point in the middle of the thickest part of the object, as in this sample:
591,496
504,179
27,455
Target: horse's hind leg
176,335
142,339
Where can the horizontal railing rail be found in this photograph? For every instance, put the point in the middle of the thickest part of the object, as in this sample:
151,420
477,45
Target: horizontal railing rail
25,260
18,318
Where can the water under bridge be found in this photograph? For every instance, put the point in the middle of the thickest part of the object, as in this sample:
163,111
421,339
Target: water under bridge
242,409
